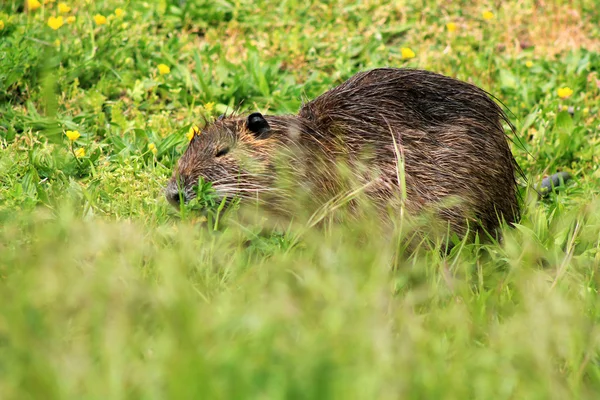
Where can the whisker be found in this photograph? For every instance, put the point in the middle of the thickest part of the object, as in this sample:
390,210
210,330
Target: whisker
234,186
241,176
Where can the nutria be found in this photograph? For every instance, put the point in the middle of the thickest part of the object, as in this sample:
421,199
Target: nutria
448,133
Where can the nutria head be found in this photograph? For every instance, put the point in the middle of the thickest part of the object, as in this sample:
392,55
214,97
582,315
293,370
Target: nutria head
234,154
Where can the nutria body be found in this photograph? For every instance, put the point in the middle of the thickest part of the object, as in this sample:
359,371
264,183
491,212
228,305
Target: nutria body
447,133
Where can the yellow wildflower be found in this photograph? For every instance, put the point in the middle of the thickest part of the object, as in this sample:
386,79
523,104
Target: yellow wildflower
152,148
99,19
33,5
533,133
564,92
119,12
163,69
80,152
71,19
487,15
529,64
63,8
451,26
194,130
57,43
55,22
407,52
586,111
73,135
209,106
1,24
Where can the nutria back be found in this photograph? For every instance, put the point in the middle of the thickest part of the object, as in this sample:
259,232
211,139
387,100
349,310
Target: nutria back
437,141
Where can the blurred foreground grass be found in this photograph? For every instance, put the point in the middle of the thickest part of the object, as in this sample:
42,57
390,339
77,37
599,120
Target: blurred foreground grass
105,292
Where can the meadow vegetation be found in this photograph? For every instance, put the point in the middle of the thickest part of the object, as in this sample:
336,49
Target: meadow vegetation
106,291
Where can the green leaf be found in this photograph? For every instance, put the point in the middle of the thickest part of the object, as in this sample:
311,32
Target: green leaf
564,121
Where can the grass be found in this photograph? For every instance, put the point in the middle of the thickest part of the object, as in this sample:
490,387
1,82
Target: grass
108,292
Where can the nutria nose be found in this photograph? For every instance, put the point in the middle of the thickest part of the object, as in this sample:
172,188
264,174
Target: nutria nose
173,195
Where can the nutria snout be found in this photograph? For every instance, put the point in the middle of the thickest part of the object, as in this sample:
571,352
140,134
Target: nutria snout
447,133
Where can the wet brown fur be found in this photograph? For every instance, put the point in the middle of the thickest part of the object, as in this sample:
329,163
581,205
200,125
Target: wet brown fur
448,133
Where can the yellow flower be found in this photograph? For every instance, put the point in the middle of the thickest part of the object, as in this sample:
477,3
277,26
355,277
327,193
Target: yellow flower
119,12
534,133
99,19
1,24
487,15
529,64
73,135
194,130
63,8
55,22
80,152
451,26
33,5
163,69
57,43
586,111
209,106
152,148
564,92
71,19
407,52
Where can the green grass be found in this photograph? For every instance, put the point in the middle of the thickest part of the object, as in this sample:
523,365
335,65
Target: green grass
108,292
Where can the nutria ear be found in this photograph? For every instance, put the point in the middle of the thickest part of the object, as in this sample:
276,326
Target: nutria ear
257,124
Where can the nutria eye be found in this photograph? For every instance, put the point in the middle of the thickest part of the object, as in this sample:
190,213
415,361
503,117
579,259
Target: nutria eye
222,152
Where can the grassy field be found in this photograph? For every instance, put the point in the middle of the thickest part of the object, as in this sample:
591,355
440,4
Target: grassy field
107,292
